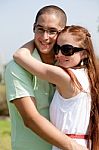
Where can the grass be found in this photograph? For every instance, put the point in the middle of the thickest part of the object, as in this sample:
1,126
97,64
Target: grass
5,134
5,130
3,101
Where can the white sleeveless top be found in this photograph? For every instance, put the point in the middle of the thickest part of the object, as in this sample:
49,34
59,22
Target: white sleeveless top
71,116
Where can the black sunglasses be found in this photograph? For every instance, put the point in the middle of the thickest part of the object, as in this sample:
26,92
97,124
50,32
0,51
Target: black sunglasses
66,50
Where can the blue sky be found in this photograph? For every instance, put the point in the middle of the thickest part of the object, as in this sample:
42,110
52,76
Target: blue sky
17,18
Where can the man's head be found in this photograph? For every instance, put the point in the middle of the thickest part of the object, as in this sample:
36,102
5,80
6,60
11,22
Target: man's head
49,21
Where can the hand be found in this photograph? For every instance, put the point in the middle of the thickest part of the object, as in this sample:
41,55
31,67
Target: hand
78,147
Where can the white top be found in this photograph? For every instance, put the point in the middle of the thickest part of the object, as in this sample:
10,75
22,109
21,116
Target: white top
71,116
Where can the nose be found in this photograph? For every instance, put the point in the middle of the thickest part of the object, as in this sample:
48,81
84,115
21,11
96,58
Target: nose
59,55
45,35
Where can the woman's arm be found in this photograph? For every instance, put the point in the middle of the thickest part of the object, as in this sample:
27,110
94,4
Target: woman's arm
42,70
23,56
26,48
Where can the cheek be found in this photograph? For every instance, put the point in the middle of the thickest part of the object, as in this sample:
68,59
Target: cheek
76,59
37,37
52,41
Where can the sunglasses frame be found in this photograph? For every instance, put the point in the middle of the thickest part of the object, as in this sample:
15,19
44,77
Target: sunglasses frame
66,49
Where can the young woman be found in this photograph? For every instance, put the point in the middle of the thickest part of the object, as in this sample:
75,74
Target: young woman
75,106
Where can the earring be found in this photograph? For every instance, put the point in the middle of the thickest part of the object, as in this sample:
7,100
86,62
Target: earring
82,63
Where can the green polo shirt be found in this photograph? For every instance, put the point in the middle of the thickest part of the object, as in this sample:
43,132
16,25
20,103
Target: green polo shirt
20,83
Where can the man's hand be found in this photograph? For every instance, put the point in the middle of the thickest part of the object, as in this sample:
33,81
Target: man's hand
76,146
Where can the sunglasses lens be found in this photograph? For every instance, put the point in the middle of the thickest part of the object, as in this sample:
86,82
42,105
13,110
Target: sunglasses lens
67,50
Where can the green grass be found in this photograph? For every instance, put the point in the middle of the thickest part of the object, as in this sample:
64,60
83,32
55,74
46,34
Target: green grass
5,134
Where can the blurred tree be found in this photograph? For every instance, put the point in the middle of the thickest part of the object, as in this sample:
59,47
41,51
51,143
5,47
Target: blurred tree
0,77
98,28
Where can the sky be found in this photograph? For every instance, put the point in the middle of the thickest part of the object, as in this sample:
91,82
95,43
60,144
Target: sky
17,18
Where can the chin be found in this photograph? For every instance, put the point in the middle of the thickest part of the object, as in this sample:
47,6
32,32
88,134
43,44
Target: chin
45,51
64,65
61,65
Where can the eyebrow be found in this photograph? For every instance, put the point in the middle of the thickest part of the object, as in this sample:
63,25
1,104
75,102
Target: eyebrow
51,28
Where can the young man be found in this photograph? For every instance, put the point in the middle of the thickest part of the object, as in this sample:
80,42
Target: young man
29,97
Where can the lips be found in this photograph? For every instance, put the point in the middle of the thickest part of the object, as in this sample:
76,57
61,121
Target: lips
45,45
62,60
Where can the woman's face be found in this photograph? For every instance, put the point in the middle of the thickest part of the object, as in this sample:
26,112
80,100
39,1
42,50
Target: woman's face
72,59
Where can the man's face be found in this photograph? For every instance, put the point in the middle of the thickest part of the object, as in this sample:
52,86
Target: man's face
46,31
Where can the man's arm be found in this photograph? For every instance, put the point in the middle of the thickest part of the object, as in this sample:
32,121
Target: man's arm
42,127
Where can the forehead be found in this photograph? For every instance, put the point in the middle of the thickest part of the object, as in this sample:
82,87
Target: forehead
67,38
49,20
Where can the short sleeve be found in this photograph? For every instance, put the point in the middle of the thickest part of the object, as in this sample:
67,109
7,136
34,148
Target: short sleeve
18,81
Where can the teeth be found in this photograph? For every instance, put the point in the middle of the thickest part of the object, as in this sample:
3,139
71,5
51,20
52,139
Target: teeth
44,43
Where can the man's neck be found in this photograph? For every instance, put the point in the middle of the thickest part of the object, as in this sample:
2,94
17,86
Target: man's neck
47,58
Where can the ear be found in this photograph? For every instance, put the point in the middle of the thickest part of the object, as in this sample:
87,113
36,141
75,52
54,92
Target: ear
83,54
34,27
